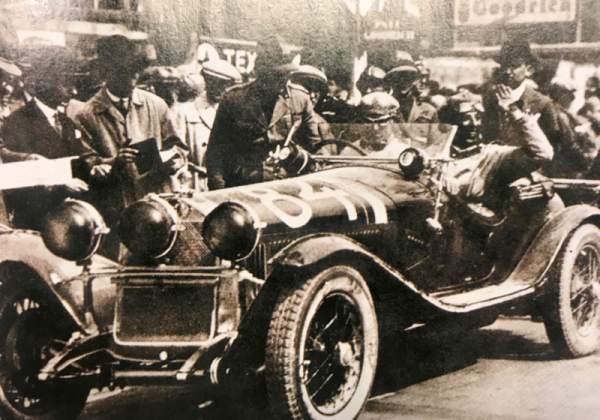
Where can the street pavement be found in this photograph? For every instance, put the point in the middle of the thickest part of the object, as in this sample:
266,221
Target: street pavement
504,371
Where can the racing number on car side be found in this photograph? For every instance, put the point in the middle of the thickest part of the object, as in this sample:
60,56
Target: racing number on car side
269,198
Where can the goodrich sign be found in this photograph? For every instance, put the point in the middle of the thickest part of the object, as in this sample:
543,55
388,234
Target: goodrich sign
485,12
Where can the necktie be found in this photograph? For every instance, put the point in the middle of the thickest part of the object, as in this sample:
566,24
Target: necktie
122,106
58,122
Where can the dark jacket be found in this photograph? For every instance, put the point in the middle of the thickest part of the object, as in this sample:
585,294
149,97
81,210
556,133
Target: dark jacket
27,131
242,138
552,121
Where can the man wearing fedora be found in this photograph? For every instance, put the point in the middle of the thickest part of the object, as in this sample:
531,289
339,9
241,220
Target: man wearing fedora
256,117
514,88
115,124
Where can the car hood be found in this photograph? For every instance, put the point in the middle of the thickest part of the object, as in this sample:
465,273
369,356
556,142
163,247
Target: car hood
350,195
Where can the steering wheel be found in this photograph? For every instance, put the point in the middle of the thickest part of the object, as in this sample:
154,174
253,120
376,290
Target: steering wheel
345,143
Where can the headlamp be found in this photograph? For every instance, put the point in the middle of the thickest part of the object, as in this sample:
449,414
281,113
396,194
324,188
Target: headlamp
74,231
411,162
229,231
149,227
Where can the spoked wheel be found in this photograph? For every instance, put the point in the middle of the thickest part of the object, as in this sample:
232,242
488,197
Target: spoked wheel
29,337
322,348
572,317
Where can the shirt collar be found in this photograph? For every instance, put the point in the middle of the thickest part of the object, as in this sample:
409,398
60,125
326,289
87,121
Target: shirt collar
48,112
117,99
518,92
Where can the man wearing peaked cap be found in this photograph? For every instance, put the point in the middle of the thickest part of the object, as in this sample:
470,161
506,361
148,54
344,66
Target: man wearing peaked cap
199,115
256,117
315,83
379,110
378,107
402,80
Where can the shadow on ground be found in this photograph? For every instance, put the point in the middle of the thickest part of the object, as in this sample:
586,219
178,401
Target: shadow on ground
418,355
406,359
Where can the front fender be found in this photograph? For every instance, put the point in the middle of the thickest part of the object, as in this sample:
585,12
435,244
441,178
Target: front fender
24,252
542,253
311,249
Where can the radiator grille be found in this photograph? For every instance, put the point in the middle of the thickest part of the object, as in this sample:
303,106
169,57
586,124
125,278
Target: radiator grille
190,249
165,314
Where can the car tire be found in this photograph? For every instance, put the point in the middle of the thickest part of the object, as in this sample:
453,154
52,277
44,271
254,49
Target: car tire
29,336
322,348
571,307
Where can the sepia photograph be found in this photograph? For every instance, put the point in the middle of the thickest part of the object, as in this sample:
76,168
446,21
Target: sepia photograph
299,209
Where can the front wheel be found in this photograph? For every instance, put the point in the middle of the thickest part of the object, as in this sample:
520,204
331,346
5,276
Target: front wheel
322,348
571,309
29,336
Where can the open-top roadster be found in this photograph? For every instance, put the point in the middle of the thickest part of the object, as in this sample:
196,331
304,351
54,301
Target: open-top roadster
295,281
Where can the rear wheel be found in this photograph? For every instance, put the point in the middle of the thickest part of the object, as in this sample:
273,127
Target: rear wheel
322,348
572,311
29,336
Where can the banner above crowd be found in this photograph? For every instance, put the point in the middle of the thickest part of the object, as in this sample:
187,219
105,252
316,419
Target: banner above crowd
486,12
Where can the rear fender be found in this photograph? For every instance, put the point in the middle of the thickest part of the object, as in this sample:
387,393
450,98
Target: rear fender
542,253
24,260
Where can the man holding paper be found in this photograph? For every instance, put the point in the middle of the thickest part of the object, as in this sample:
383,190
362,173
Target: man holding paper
124,128
39,130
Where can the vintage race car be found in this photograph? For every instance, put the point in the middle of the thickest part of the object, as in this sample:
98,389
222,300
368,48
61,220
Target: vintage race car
291,284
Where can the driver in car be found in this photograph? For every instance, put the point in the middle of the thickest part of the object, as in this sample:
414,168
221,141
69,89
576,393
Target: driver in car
380,111
482,173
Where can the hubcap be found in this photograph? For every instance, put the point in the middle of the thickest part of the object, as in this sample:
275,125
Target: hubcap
25,337
332,356
585,290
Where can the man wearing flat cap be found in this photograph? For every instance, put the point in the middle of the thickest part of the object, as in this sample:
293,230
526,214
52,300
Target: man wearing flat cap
514,89
402,80
254,118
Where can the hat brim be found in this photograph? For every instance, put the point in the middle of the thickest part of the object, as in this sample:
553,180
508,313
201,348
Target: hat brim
506,60
287,67
10,68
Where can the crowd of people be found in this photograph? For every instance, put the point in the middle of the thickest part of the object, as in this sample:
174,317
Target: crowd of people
137,128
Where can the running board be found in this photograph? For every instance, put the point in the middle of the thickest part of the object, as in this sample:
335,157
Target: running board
487,295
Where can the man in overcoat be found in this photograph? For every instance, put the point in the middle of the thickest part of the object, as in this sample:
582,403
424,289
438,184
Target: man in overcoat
254,118
114,123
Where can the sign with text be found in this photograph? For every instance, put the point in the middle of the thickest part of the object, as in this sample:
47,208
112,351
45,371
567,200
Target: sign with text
242,54
485,12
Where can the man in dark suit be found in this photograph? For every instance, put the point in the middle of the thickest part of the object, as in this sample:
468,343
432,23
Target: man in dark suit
254,118
514,88
41,129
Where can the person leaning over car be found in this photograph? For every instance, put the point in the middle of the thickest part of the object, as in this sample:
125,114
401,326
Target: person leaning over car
256,117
